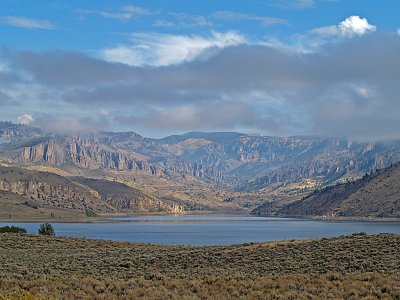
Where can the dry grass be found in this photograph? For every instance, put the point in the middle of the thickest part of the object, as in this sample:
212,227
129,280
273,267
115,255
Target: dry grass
359,266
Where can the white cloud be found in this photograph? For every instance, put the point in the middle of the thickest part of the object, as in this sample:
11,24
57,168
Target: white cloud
263,20
26,22
350,27
185,20
355,25
123,14
164,49
164,23
398,31
293,4
25,119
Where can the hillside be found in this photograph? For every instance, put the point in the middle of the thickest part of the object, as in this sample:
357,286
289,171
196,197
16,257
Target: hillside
352,267
33,194
374,196
127,199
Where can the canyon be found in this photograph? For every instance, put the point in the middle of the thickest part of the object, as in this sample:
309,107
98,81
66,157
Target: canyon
218,171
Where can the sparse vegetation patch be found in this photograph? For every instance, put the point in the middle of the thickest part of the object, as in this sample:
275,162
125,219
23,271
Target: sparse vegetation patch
353,267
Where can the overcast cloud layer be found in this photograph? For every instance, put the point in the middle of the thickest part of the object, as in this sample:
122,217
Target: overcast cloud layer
160,84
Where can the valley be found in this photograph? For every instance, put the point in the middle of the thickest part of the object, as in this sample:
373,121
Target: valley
123,173
185,150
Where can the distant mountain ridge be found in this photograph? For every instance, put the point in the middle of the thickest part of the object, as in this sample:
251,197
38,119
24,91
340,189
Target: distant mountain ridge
240,161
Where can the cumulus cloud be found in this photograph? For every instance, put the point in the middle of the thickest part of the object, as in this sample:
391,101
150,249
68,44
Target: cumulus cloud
350,27
165,49
398,31
25,119
28,23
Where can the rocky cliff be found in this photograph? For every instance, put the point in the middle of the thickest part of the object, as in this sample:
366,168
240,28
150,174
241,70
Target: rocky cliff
79,194
84,152
240,161
50,190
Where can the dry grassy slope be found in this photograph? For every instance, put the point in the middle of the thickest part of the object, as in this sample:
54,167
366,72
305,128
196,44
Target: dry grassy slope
192,193
29,193
14,206
354,267
49,190
66,256
376,195
186,191
127,199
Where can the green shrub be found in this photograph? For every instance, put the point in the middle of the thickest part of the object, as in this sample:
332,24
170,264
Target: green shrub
90,213
46,229
12,229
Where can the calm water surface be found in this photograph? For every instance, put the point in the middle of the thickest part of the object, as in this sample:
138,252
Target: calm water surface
210,230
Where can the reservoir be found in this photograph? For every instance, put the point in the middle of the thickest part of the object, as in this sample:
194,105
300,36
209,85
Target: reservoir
202,230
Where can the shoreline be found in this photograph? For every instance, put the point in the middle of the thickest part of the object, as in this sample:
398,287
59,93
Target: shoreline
110,218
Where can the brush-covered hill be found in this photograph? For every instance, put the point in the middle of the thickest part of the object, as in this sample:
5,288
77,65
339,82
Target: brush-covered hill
376,195
354,267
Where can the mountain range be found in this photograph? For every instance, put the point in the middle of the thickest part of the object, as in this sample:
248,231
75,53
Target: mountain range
197,170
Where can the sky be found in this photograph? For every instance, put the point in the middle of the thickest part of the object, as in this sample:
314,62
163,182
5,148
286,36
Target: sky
273,67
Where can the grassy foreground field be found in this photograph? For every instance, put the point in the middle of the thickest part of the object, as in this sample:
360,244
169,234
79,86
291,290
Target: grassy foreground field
353,267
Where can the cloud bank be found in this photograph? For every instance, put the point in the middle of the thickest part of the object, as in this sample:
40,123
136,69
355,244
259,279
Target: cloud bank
348,88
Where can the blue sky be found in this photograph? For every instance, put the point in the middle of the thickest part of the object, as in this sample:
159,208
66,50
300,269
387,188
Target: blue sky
79,25
277,67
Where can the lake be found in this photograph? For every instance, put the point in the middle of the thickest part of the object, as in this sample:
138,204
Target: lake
199,230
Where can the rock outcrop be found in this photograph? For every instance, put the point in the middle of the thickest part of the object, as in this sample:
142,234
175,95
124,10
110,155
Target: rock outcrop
84,152
244,162
80,194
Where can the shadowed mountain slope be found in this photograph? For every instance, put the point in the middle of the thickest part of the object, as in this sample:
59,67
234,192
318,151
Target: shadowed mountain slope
374,196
